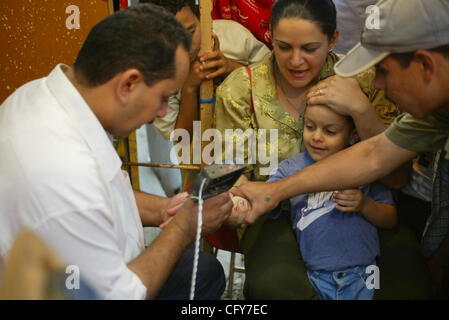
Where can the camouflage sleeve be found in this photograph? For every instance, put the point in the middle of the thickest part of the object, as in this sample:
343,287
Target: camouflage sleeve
419,135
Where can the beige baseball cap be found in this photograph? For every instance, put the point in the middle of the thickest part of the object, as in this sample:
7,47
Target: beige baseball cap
404,26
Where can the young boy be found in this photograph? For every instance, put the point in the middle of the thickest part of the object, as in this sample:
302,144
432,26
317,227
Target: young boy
336,231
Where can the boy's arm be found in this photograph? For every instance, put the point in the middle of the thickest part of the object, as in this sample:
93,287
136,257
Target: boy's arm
382,215
188,109
215,64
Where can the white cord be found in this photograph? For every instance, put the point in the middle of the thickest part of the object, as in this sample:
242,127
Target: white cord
197,241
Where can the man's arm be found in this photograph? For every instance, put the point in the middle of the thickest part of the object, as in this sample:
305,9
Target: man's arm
360,164
155,264
150,208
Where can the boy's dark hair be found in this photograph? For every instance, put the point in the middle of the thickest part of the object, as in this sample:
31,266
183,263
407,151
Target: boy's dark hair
405,59
349,119
143,36
174,6
321,12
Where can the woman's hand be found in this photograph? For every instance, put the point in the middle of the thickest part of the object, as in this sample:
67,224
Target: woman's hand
343,95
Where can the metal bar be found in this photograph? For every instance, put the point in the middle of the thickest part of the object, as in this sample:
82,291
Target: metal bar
157,165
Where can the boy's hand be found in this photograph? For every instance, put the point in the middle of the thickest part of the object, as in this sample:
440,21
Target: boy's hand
195,76
350,200
239,211
263,197
436,274
214,63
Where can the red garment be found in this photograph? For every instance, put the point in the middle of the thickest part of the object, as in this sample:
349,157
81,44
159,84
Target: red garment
253,14
123,3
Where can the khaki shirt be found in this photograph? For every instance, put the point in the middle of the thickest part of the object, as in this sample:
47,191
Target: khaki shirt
421,135
232,109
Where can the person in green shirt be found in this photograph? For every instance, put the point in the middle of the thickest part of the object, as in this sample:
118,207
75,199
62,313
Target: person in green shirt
410,51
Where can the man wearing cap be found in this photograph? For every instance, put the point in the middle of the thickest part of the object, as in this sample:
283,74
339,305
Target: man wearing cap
411,53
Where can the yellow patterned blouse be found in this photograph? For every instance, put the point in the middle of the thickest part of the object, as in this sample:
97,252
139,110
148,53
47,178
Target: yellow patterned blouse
233,109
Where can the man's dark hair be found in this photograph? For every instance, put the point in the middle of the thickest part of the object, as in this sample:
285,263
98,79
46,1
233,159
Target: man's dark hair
174,6
405,59
144,37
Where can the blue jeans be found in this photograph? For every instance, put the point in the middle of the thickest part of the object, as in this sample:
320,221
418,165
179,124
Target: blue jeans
349,284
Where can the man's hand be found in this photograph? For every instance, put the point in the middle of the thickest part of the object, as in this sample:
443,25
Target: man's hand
215,211
173,204
349,200
261,196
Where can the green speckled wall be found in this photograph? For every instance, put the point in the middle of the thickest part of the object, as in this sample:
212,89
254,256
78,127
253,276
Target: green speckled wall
34,37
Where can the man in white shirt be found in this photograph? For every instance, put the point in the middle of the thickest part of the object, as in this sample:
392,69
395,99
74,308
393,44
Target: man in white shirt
61,177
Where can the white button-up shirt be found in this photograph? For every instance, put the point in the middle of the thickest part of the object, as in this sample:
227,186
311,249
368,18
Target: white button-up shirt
60,177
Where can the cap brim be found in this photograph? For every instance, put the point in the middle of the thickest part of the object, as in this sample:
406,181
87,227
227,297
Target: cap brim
358,60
